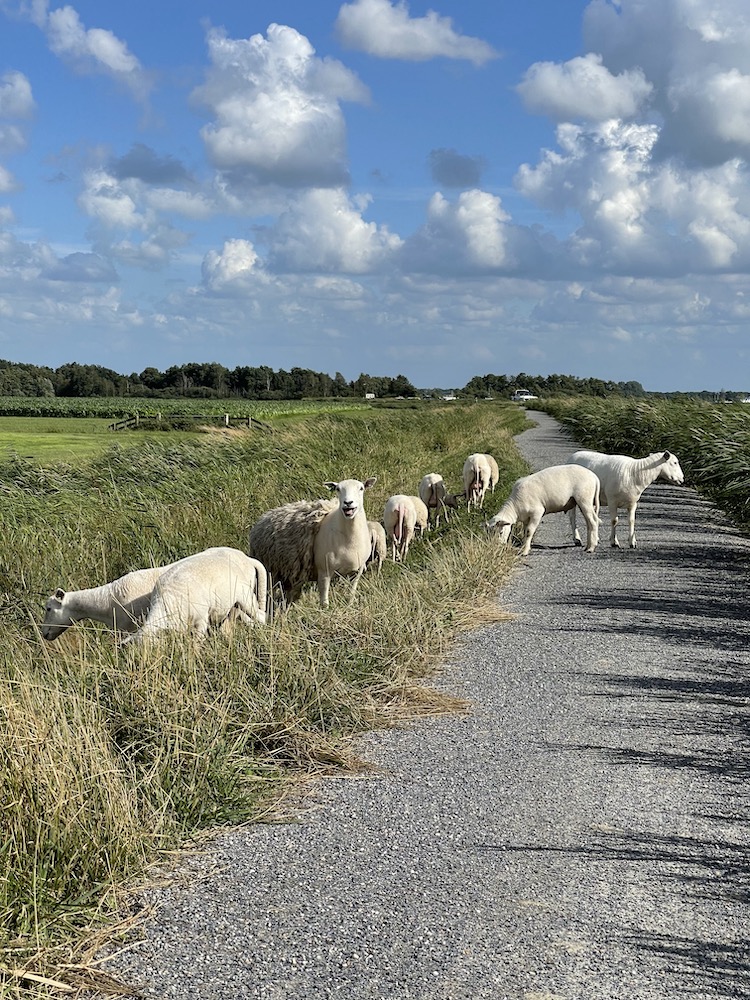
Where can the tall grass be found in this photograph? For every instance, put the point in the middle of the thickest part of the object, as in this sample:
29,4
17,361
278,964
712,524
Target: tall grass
712,440
111,756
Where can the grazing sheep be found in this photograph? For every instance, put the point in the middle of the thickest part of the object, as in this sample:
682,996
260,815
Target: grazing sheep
122,604
623,480
432,492
477,477
494,472
399,520
307,540
378,543
209,588
423,516
557,488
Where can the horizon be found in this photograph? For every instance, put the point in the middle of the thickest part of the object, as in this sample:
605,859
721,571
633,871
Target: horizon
373,184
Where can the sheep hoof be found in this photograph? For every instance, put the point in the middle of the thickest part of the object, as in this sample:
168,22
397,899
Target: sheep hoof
578,543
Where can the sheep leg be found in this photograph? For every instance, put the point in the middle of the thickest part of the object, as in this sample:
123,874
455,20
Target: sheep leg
324,586
613,536
354,584
531,525
631,526
574,527
592,527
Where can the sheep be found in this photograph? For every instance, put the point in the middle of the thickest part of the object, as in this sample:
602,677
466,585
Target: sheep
623,480
423,515
557,488
123,603
378,544
399,520
219,585
432,492
306,540
478,478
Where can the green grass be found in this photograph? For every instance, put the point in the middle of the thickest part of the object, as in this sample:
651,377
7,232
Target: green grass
111,757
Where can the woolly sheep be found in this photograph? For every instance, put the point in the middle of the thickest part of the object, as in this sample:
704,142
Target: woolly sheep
432,492
209,588
378,544
623,480
306,540
122,604
557,488
399,520
478,478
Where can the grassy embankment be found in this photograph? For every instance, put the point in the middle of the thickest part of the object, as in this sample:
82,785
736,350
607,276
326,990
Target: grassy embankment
109,758
711,440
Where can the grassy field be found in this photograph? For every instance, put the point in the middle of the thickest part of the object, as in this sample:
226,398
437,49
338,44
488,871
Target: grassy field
110,758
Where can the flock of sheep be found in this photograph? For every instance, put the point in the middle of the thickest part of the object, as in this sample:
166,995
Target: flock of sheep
316,540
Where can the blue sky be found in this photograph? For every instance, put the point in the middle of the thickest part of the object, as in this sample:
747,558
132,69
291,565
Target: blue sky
441,192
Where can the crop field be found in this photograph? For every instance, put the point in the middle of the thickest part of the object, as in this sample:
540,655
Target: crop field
110,757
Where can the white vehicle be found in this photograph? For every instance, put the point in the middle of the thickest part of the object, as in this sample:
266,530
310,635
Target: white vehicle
522,396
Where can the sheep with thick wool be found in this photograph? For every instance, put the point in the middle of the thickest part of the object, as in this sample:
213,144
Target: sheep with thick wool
555,489
219,585
399,521
315,540
623,479
122,604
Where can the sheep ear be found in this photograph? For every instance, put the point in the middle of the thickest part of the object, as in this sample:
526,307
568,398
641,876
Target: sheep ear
667,456
370,482
331,486
59,594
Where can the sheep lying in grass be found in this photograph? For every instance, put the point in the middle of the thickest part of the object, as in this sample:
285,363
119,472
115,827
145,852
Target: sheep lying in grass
378,545
315,540
433,494
557,488
399,520
480,473
122,604
209,588
623,480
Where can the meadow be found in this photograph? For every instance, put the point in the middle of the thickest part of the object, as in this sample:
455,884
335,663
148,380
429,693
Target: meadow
112,758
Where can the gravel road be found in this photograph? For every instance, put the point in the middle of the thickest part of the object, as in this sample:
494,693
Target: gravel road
581,834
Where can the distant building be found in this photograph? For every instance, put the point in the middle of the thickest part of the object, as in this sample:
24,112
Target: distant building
450,397
369,395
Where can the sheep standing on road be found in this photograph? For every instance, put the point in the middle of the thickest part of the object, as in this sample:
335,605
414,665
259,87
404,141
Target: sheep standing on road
121,604
304,541
557,488
399,520
217,585
478,478
623,480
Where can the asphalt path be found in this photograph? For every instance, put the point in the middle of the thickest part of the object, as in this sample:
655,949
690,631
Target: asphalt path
580,834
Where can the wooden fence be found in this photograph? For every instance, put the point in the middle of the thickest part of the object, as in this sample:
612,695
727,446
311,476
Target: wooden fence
138,420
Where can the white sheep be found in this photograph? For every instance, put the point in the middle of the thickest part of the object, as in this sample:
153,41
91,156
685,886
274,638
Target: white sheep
378,544
423,515
208,588
557,488
122,604
399,520
433,493
623,480
478,478
304,541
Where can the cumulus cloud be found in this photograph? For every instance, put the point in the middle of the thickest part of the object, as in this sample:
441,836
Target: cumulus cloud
453,170
81,267
106,200
583,88
323,231
383,29
276,110
234,269
16,100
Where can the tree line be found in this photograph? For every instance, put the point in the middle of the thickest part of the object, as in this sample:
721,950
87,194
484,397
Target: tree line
212,380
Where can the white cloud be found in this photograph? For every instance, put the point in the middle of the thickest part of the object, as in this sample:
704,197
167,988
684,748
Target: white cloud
7,181
105,200
16,100
386,30
322,231
583,88
234,269
276,108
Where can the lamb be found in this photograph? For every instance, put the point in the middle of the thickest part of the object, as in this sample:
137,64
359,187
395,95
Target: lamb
557,488
304,541
478,478
122,604
378,543
432,492
399,520
623,480
209,588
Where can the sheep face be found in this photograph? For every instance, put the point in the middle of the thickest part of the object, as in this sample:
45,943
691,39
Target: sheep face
56,616
671,471
500,527
350,493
